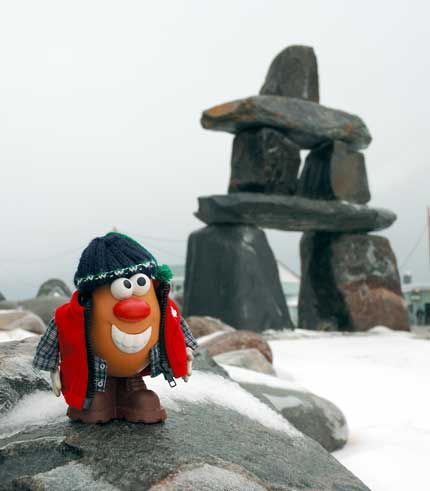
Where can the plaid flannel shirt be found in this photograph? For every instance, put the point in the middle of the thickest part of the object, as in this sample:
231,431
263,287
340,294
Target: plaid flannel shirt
48,354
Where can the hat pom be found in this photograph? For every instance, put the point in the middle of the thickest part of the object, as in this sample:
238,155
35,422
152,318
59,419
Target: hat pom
163,273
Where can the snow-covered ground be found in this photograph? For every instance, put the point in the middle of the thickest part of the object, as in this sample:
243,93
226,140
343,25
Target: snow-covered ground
381,381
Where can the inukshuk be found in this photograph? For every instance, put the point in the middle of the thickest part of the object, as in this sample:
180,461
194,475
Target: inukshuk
349,278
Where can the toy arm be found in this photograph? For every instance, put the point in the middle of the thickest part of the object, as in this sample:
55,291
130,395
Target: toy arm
191,345
48,355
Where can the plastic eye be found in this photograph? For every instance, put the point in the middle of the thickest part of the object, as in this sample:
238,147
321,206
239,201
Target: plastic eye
141,284
122,288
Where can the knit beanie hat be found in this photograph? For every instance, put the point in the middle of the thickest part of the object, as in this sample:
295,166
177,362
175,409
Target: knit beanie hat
115,256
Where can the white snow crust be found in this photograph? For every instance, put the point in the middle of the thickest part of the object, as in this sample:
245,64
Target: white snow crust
381,382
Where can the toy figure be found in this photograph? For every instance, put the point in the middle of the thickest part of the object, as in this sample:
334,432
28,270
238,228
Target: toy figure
119,325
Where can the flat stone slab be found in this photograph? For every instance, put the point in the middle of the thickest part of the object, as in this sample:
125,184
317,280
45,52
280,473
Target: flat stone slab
292,213
306,123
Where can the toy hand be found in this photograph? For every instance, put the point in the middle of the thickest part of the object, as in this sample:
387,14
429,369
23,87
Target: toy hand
56,382
190,357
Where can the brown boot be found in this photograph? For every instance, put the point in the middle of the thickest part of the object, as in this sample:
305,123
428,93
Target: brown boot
103,406
136,403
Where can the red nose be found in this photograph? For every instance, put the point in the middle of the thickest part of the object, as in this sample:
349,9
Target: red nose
131,310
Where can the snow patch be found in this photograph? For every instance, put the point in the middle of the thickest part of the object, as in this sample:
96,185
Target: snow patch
15,335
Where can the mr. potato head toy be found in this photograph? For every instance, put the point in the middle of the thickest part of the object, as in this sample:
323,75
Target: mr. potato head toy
119,326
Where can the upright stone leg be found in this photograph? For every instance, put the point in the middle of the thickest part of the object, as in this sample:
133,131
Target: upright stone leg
231,274
349,282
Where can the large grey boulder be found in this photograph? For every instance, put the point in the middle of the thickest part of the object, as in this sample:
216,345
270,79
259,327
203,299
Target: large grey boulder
314,416
293,73
349,282
54,287
17,376
291,213
306,123
265,161
213,442
333,171
231,274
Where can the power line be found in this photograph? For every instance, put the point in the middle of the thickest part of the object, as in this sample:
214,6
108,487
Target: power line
415,246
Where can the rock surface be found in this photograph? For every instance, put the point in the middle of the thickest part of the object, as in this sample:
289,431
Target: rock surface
305,123
202,326
293,73
20,319
231,274
291,213
54,287
350,282
314,416
238,340
333,171
265,161
251,359
203,445
17,377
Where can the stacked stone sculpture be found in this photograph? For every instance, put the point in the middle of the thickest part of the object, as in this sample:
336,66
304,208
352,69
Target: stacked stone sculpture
350,279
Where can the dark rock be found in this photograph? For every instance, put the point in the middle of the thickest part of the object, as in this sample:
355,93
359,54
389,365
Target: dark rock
250,358
17,376
332,171
202,326
292,213
350,283
237,340
293,73
43,306
2,297
314,416
54,287
231,274
201,446
264,160
306,123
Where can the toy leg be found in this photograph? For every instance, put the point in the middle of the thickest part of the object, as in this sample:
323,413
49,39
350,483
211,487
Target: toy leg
103,406
136,403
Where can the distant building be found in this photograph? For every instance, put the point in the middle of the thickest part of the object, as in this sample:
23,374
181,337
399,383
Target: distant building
417,297
290,282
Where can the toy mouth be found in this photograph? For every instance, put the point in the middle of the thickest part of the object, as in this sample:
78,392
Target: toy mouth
130,343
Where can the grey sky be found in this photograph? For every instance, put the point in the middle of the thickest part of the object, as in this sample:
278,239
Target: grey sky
100,105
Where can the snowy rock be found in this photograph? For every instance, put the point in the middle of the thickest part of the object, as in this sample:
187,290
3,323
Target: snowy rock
264,160
17,376
238,340
54,287
217,436
20,319
314,416
203,326
251,359
306,123
293,73
231,274
349,283
292,213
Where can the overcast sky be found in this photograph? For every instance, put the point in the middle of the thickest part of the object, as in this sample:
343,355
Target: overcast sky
100,105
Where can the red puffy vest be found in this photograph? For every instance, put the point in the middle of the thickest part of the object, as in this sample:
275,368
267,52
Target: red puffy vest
70,322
